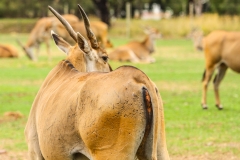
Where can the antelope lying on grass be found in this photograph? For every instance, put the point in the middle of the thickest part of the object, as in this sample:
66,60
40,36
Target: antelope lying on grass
137,51
98,115
41,33
8,51
221,51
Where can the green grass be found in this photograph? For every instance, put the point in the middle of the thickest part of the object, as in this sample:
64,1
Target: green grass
177,72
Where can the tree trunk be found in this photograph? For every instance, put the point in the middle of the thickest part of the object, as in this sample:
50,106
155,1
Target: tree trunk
198,7
104,11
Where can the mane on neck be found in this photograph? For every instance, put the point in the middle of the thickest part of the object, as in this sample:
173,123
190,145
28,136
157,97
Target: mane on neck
68,65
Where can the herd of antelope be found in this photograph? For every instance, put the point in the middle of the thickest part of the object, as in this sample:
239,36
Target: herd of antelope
86,110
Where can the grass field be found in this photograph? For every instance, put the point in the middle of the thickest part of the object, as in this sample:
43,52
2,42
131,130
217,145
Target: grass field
192,133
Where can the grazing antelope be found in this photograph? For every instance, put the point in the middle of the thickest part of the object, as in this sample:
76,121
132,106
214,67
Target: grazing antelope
137,51
97,115
222,51
41,33
8,51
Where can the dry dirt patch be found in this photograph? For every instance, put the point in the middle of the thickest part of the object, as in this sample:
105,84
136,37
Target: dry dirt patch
13,155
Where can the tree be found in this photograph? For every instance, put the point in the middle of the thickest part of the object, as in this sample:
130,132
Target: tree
103,10
199,6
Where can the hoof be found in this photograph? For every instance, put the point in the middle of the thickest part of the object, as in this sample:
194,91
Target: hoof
204,106
219,106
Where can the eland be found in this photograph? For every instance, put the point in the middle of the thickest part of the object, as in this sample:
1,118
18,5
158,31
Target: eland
84,110
222,51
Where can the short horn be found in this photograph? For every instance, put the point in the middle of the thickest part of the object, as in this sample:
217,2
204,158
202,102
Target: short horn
90,34
69,28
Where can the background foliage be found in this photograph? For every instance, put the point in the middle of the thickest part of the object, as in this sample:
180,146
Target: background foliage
36,8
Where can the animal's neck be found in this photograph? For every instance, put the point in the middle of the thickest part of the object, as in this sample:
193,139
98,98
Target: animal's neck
149,43
68,64
78,61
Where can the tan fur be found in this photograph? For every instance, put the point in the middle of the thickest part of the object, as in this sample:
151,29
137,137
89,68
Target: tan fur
136,51
221,50
97,115
8,51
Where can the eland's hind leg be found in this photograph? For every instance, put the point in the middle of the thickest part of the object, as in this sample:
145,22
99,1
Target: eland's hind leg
34,152
114,140
205,81
218,78
115,134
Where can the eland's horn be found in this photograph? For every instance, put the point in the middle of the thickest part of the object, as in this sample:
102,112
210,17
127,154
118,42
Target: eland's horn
69,28
90,34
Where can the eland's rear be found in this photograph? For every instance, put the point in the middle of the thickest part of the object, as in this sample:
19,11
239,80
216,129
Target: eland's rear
80,114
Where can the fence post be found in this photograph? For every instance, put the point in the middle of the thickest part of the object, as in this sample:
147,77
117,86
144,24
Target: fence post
128,18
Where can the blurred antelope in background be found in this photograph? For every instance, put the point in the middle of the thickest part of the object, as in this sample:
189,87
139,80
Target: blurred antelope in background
222,51
136,51
41,34
8,51
98,115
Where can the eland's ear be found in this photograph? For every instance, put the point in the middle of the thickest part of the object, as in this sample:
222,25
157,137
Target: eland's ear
83,44
61,43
